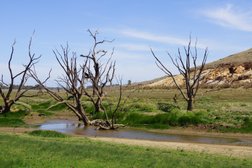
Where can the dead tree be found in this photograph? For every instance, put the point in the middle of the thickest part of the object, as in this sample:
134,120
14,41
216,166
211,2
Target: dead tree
16,90
191,74
115,111
111,123
100,71
72,81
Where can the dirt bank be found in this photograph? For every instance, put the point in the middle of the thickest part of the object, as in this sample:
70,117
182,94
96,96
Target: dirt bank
228,150
200,132
15,130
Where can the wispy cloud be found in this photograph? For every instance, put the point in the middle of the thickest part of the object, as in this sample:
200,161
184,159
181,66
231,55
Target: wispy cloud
228,16
153,37
165,39
133,47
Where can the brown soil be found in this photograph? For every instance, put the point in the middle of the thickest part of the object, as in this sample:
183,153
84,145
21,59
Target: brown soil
15,130
201,132
227,150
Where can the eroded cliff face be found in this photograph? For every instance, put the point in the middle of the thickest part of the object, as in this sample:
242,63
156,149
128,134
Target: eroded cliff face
228,75
224,75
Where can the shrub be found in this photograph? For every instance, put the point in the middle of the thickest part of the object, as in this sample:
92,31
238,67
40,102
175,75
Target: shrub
140,106
13,119
174,118
47,133
167,107
88,107
189,119
57,107
43,105
11,122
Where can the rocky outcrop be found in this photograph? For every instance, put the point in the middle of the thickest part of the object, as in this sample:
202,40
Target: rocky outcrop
224,75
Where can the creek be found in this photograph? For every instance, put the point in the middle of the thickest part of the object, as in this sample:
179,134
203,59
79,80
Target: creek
71,127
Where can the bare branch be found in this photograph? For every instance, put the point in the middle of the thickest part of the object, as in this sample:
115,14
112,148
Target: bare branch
192,78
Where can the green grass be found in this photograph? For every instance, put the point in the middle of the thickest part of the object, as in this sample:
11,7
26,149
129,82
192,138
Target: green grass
226,110
223,110
165,120
13,119
11,122
47,133
47,108
30,151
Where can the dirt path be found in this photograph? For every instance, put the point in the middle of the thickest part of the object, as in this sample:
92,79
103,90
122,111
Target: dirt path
228,150
15,130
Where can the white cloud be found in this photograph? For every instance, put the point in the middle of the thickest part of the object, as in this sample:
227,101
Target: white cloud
165,39
133,47
153,37
229,16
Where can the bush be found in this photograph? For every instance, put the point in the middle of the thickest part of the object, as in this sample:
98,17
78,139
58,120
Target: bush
174,118
88,107
141,119
140,106
167,107
47,133
57,107
189,119
13,119
16,114
11,122
43,105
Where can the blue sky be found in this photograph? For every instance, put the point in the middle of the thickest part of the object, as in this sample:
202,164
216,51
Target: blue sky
225,27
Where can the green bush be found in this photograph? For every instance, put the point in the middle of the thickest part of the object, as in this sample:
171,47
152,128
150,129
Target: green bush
159,119
247,125
88,107
16,114
167,107
11,122
140,106
193,118
43,105
13,119
57,107
175,118
47,133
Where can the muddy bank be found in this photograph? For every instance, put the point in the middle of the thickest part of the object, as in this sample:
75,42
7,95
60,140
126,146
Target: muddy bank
227,150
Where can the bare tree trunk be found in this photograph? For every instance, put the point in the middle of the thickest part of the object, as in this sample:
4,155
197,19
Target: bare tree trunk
100,71
84,117
98,105
10,97
72,81
189,105
5,109
191,74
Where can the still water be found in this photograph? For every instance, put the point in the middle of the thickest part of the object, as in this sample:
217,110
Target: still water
70,127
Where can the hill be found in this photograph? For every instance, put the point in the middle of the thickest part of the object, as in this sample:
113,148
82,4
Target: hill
243,57
231,71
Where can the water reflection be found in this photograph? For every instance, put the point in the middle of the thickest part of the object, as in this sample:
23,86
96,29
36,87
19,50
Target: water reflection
71,127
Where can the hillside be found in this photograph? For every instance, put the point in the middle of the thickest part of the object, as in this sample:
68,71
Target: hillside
231,71
234,59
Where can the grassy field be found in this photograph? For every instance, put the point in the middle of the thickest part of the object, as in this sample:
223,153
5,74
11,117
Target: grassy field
226,110
59,151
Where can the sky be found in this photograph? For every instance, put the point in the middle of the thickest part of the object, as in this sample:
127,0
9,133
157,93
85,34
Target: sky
223,26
